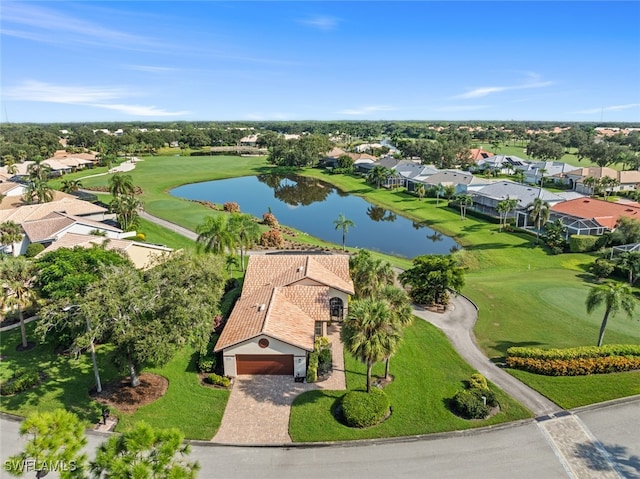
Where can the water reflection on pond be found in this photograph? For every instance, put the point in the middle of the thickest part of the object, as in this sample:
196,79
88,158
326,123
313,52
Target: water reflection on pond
311,206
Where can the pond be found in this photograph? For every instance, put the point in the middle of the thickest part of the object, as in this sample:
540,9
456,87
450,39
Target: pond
312,206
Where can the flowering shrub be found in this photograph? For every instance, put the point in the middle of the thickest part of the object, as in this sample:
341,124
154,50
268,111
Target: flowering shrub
231,207
576,366
574,353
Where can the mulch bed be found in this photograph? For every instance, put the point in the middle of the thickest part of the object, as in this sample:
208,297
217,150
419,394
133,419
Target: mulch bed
121,396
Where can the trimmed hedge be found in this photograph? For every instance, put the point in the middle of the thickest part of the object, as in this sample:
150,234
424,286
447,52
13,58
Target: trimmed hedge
20,380
582,243
312,368
362,409
574,353
576,366
611,358
218,380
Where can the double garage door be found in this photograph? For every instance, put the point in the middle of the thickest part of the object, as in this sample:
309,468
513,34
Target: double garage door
276,364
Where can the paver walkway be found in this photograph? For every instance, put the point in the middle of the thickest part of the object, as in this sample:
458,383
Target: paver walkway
259,407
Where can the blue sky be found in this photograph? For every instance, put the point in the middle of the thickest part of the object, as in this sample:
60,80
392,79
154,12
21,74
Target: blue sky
211,60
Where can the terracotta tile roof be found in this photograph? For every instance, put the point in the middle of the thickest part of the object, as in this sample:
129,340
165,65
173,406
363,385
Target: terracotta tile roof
45,229
604,212
477,154
65,203
283,296
7,186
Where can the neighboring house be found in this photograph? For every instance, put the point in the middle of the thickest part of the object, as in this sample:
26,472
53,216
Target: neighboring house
575,178
486,199
478,154
65,203
9,188
463,181
503,164
286,302
554,170
590,216
142,255
249,140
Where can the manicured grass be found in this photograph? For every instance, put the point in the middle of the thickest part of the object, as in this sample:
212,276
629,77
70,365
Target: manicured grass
158,235
574,391
66,383
425,378
194,409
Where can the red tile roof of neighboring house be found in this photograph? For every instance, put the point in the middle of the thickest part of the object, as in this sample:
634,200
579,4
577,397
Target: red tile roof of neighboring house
478,154
604,212
283,296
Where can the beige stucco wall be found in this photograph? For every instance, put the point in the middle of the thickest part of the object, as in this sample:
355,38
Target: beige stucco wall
275,347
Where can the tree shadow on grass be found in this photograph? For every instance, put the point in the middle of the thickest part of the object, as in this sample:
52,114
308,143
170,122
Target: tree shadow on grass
628,465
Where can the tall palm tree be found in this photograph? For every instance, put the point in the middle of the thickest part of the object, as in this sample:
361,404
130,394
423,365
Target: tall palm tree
10,233
464,200
369,274
421,191
540,211
38,170
246,232
401,312
369,333
378,175
214,235
504,208
344,224
439,190
38,191
616,297
17,277
126,208
121,185
629,262
70,186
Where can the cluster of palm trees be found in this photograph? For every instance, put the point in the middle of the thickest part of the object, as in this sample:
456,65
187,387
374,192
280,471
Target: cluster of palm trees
224,234
505,207
124,203
602,185
372,330
380,175
38,190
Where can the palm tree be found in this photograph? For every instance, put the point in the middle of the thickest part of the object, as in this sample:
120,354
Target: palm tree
38,191
126,208
540,212
464,201
17,276
70,186
421,191
38,170
616,297
370,275
378,175
344,224
593,183
439,190
369,333
245,230
630,262
121,185
504,208
401,312
214,235
10,233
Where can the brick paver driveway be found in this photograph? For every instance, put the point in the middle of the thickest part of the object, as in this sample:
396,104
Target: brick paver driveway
259,406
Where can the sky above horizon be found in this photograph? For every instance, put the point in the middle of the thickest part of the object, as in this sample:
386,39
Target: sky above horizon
232,61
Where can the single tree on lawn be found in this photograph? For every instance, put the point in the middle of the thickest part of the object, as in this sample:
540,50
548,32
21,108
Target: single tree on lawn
540,212
369,274
432,277
120,184
246,232
344,224
215,235
70,186
17,277
144,452
10,233
421,191
57,438
439,191
464,201
616,297
369,333
401,312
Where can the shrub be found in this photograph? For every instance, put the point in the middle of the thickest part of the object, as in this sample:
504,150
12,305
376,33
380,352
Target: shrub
582,243
269,219
575,366
469,404
20,380
312,368
361,409
478,381
218,380
320,343
272,239
573,353
324,361
141,237
206,362
33,249
601,268
231,207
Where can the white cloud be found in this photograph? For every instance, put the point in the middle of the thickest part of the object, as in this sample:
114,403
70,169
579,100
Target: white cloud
367,109
533,81
98,97
320,22
608,108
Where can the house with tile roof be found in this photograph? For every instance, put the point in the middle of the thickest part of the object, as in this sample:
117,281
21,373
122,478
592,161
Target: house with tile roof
286,302
486,199
591,216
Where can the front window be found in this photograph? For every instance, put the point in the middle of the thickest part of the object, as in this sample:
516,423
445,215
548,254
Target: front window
318,330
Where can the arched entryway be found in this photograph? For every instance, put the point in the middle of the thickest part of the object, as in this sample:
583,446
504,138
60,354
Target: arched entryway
336,307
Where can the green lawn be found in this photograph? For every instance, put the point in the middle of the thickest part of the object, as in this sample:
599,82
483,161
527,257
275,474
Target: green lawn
194,409
425,378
